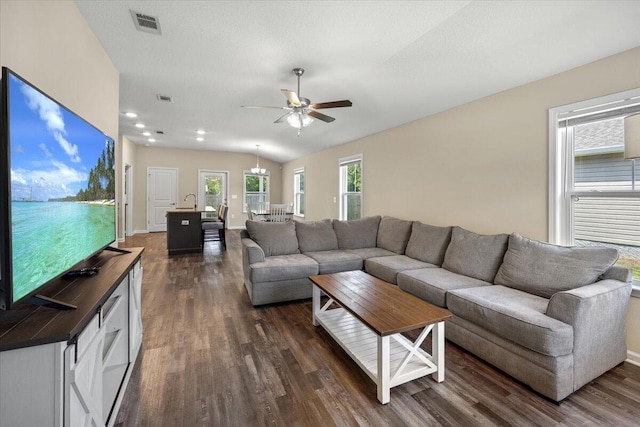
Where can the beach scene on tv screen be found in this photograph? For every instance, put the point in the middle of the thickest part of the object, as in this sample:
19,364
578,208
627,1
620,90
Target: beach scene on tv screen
62,188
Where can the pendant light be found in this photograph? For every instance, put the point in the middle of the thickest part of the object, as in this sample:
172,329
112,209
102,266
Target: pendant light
258,170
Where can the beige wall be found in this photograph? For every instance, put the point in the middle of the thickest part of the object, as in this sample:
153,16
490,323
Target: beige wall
188,162
50,44
483,165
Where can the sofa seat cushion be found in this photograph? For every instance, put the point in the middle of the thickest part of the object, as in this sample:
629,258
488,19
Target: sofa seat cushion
544,269
432,284
475,255
316,236
357,233
387,268
336,261
366,253
428,243
283,267
514,315
275,238
393,234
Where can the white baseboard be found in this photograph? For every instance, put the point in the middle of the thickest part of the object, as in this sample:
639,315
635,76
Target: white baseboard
140,231
236,227
633,358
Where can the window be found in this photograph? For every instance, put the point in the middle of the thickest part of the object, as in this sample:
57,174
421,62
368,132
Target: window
351,187
298,192
594,191
256,190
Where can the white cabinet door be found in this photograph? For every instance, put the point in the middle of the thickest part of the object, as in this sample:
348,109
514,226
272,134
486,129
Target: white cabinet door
83,379
115,360
135,311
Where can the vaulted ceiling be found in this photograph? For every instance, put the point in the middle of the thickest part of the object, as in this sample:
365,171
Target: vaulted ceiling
397,61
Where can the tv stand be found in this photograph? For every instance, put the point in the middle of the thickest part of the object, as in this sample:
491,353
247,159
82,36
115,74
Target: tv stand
71,367
44,301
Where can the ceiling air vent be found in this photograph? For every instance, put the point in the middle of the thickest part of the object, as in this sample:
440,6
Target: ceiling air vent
146,23
160,132
164,98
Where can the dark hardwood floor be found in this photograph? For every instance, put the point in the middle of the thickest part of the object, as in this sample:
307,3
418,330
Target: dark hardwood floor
209,358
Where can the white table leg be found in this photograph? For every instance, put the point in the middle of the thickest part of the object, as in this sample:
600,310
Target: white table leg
316,304
384,378
437,351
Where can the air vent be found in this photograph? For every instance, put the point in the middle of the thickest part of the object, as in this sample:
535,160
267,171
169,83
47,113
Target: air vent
160,132
146,23
164,98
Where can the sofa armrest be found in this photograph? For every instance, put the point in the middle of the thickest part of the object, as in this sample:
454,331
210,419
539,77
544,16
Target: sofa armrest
618,272
253,251
597,313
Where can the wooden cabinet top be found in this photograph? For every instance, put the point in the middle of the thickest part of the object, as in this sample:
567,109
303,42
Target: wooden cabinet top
28,325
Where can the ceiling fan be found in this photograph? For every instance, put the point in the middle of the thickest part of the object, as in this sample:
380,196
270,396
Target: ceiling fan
300,111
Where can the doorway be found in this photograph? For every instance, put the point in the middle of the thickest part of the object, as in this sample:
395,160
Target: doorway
128,203
162,191
212,190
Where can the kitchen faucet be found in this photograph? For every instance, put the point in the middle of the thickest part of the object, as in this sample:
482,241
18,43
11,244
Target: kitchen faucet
195,200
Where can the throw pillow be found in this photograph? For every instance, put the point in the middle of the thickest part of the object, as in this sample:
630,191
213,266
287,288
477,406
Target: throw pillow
428,243
357,233
275,238
475,255
393,234
543,269
316,236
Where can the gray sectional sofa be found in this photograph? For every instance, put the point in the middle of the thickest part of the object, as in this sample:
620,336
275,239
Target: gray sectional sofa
553,317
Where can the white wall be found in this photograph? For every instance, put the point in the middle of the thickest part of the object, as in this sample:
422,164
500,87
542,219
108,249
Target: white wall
188,162
483,165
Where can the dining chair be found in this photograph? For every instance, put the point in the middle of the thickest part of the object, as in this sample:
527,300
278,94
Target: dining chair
278,213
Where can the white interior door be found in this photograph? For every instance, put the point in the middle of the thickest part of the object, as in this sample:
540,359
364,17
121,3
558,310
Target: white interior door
212,190
162,195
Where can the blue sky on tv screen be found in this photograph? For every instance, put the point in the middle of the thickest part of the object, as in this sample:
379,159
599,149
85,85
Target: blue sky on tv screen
52,149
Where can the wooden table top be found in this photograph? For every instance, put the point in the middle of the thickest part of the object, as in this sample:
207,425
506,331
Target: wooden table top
383,307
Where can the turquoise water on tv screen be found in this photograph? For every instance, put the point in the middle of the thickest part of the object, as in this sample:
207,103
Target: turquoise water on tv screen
51,237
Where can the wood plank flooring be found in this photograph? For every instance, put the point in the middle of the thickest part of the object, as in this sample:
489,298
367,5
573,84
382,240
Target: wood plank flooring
209,358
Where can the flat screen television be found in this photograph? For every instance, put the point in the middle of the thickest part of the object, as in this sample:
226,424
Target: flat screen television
57,190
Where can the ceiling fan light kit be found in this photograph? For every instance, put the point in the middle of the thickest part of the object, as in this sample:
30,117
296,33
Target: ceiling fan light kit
300,110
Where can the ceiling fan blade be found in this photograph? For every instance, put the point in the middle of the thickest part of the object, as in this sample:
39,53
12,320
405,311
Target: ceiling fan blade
320,116
265,106
283,118
292,97
333,104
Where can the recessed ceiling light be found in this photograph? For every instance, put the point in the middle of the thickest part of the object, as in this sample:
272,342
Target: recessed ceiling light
146,133
139,125
200,139
200,132
151,140
131,114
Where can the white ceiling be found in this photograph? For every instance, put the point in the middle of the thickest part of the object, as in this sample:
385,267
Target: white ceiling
397,61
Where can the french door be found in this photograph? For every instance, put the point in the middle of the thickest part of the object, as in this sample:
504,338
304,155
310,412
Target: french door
212,190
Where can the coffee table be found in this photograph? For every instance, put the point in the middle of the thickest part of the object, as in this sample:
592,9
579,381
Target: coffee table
367,316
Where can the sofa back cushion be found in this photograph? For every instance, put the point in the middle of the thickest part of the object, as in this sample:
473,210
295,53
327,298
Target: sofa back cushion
316,236
275,238
475,255
543,269
357,233
428,243
393,234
